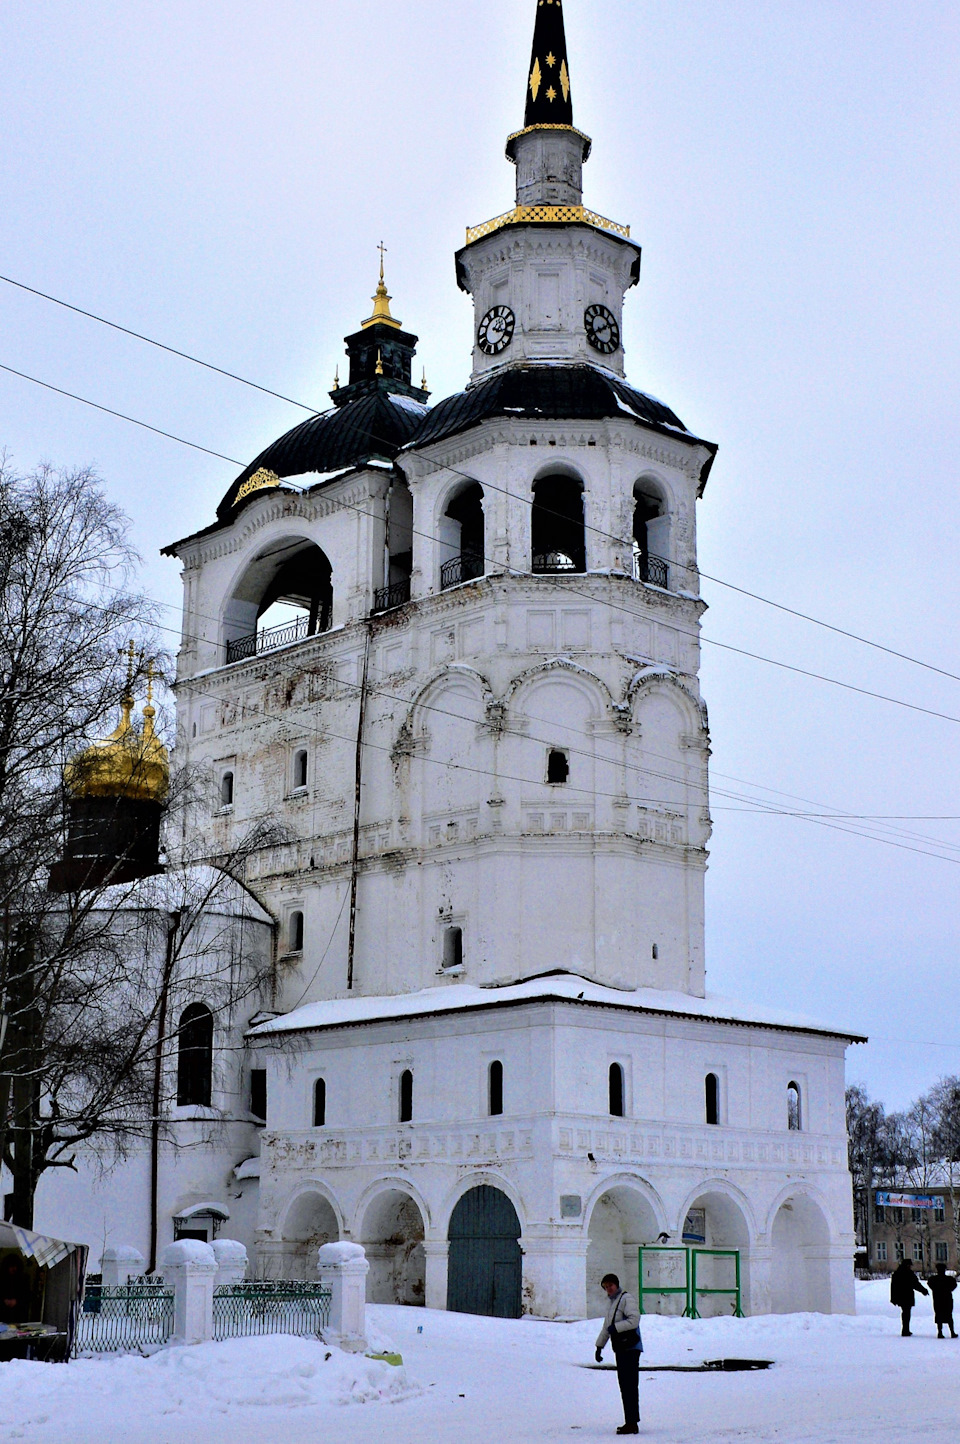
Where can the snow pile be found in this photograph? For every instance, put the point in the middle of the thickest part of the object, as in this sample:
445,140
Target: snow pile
191,1384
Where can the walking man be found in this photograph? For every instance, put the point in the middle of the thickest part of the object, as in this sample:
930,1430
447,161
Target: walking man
903,1285
621,1325
942,1288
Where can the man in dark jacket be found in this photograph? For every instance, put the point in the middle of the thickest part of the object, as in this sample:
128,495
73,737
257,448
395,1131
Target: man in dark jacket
942,1288
621,1325
903,1285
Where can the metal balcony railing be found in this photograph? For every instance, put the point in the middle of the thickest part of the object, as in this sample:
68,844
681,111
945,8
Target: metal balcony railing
552,564
393,596
653,570
464,568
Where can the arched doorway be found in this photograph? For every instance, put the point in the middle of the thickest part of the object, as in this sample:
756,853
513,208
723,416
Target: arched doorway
722,1223
800,1262
392,1234
485,1270
309,1223
622,1219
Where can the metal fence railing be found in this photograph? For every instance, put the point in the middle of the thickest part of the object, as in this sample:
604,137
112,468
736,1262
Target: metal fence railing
266,1307
129,1317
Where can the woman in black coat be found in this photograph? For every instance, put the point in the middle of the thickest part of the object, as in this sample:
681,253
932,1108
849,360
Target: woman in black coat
904,1284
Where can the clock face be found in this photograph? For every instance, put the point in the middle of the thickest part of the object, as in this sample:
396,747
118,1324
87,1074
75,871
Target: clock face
496,330
603,333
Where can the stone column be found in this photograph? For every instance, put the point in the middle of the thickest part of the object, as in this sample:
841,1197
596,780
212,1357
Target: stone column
231,1257
343,1270
436,1255
191,1266
119,1265
554,1275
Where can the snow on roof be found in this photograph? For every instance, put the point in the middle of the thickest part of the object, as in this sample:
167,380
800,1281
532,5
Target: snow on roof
565,987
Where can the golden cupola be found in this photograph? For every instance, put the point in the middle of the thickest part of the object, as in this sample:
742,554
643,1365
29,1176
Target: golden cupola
116,792
129,763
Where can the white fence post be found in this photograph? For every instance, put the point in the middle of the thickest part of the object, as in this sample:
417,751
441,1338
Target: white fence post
231,1257
343,1269
119,1265
191,1266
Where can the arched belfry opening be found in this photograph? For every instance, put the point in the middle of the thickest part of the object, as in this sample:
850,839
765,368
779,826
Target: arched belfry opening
557,521
462,537
651,535
285,594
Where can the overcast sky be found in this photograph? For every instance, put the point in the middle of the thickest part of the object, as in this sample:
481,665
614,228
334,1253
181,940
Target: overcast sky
217,175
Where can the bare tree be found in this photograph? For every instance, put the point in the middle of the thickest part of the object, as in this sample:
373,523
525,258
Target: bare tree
87,978
945,1100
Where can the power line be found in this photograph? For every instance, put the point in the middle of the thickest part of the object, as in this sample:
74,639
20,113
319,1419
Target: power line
120,414
160,345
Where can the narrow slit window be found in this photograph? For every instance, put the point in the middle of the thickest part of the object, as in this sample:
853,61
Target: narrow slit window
296,932
712,1091
794,1120
406,1096
558,766
300,769
616,1090
496,1089
452,948
319,1103
258,1093
226,790
195,1057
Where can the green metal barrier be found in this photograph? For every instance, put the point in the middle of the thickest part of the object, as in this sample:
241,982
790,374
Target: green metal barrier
696,1292
643,1290
691,1289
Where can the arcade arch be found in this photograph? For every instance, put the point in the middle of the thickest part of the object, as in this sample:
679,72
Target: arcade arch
651,532
623,1218
392,1232
722,1221
800,1258
310,1222
558,532
485,1264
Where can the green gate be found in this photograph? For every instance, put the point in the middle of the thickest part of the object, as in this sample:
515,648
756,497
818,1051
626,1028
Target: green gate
692,1290
485,1269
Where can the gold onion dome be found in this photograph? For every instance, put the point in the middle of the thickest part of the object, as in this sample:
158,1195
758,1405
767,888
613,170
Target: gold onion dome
129,763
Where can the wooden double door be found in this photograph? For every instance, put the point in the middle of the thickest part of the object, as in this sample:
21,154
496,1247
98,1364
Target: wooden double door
485,1270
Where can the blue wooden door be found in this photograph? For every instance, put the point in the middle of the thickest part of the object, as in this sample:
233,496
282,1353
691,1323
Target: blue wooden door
485,1268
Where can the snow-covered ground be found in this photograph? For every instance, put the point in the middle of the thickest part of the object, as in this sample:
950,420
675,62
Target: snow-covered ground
467,1380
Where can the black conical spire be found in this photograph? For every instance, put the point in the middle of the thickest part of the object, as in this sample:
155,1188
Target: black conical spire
548,83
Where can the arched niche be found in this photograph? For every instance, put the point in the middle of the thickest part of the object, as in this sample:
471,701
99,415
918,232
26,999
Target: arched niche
392,1232
800,1258
461,529
453,757
557,525
651,532
284,593
622,1219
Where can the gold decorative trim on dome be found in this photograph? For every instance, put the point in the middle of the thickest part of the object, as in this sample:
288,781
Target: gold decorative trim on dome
259,481
547,215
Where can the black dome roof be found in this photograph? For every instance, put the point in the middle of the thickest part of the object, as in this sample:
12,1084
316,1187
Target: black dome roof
567,393
373,426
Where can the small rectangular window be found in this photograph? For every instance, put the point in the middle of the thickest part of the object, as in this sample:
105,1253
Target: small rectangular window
916,1215
939,1214
879,1214
918,1253
452,948
300,769
898,1252
942,1253
226,790
258,1092
881,1252
406,1096
558,767
295,932
712,1098
616,1090
319,1103
496,1089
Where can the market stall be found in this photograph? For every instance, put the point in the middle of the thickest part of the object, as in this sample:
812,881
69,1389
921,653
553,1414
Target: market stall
41,1285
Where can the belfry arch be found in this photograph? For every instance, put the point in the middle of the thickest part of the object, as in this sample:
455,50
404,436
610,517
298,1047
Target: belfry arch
285,593
557,525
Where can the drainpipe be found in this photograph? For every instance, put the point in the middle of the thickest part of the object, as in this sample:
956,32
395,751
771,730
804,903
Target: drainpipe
158,1086
355,857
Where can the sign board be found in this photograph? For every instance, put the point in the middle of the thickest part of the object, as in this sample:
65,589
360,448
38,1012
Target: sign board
909,1200
695,1226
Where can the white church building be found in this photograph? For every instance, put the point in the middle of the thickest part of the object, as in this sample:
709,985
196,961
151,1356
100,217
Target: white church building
453,652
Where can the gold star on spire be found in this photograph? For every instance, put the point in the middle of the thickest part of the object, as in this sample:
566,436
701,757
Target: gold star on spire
551,94
535,79
551,60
